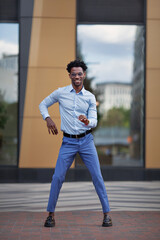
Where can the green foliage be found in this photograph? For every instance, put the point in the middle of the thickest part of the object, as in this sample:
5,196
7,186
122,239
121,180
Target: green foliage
116,117
3,112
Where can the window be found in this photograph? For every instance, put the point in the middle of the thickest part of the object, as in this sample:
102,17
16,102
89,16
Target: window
8,93
115,58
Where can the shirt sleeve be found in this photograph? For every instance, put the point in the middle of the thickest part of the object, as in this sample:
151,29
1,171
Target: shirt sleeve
92,113
47,102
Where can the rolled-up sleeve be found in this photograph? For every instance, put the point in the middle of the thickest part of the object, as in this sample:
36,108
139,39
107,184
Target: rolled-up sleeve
92,113
47,102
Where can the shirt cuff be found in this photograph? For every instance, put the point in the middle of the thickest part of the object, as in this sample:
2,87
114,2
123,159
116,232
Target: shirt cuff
45,116
92,123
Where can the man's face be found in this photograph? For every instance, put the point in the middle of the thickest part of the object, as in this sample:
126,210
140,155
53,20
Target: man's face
77,76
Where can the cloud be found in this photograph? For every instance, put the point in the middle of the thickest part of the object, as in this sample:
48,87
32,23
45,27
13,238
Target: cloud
108,33
112,70
8,48
108,50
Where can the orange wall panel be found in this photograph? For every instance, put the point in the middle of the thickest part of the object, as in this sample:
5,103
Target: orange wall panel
54,8
40,83
153,93
52,42
152,85
153,40
153,9
52,47
152,143
39,149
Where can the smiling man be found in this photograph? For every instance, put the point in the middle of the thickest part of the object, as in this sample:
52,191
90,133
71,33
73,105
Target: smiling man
78,115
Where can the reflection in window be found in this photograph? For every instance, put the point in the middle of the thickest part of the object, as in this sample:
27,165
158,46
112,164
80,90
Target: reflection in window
115,59
8,93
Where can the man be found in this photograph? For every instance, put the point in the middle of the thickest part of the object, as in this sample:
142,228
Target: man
78,115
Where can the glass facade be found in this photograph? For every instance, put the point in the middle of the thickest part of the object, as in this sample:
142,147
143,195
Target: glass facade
115,58
9,49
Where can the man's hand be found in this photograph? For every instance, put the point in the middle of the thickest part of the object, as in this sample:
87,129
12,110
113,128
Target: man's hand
83,119
51,126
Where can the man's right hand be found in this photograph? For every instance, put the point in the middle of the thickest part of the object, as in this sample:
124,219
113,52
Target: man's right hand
51,126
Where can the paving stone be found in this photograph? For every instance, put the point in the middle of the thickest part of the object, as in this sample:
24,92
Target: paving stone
82,225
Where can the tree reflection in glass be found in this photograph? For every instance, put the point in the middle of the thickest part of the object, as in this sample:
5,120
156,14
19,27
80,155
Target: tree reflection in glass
8,93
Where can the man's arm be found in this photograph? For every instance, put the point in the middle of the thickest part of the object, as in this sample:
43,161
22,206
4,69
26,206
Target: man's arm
43,107
51,126
91,120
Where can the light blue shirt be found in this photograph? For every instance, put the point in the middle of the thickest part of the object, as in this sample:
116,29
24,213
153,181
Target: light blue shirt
71,105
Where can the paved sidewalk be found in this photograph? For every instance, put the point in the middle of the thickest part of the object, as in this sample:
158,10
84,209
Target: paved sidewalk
135,212
80,225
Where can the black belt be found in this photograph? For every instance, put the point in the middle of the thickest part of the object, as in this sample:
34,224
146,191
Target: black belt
77,136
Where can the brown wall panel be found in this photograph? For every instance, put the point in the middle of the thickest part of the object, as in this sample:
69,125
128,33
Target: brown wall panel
54,8
152,143
153,40
52,42
153,9
39,149
52,47
40,83
153,93
153,85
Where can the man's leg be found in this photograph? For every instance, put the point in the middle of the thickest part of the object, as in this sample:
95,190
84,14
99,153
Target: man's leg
89,155
66,156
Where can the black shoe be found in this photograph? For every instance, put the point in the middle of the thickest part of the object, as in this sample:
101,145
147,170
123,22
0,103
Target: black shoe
107,221
50,222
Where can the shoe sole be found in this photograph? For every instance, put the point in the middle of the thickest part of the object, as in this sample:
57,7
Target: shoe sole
107,225
50,225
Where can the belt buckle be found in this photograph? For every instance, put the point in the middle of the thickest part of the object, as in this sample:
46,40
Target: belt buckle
76,136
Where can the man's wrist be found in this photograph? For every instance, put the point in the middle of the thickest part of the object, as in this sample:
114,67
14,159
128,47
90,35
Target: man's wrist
46,118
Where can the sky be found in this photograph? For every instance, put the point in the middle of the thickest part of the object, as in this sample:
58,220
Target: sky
8,38
8,44
108,50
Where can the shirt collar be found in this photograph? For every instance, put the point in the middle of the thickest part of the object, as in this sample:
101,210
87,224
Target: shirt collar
72,89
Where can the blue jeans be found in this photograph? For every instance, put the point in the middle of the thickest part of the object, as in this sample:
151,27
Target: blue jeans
86,149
